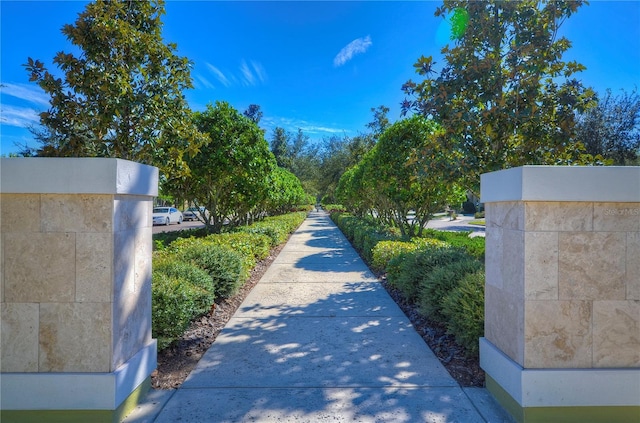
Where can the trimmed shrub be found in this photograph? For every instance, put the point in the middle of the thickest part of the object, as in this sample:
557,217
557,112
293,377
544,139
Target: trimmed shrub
188,273
225,266
173,305
463,309
163,239
441,280
407,271
252,246
474,246
384,251
364,234
277,228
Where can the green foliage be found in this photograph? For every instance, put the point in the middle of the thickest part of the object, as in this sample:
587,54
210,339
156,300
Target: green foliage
463,310
251,246
122,95
407,271
406,171
384,251
188,273
445,280
611,129
277,228
338,156
295,154
474,246
225,266
285,193
364,234
163,239
503,96
230,175
435,285
174,302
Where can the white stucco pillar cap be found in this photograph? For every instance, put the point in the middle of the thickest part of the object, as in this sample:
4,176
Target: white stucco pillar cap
562,183
86,175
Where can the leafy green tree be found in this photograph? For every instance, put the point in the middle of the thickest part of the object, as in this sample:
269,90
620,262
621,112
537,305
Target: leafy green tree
409,167
612,128
503,95
380,120
280,147
123,95
400,180
230,175
254,113
285,192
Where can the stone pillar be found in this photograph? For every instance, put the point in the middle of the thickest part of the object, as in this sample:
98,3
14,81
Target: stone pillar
562,293
75,287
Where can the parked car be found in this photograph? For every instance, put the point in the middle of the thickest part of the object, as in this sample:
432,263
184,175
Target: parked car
166,216
195,213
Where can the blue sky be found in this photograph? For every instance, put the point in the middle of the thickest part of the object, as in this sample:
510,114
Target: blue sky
317,66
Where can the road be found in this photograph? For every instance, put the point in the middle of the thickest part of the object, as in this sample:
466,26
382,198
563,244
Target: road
175,227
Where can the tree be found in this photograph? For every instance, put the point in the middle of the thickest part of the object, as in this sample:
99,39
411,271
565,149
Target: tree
380,120
123,95
612,128
230,175
254,113
408,168
285,193
280,147
503,96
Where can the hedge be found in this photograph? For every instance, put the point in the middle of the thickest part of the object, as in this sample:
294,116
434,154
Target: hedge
442,273
463,309
191,270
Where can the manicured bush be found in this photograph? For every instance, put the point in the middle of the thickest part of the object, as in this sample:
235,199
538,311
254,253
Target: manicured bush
174,303
277,228
463,309
406,271
474,246
225,266
189,273
435,285
164,239
384,251
252,246
364,234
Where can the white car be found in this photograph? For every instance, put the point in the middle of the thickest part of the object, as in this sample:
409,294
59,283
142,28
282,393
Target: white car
166,216
195,213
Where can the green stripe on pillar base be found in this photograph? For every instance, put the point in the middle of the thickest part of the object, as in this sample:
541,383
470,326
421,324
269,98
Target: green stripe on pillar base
79,416
602,414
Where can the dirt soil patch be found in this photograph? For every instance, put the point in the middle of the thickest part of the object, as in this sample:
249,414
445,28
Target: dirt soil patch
178,360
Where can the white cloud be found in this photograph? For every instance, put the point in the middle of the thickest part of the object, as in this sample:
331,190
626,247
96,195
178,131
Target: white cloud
249,79
199,79
22,117
357,46
28,92
218,74
250,74
292,125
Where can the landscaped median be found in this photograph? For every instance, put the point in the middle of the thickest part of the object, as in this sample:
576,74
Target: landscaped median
190,272
441,273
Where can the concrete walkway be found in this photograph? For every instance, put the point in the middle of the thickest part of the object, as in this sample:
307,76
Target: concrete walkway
319,339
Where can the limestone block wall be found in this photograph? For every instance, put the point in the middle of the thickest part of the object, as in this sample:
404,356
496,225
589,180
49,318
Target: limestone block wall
75,253
563,283
562,293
